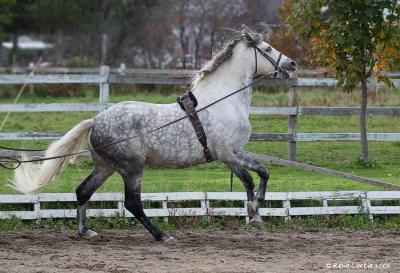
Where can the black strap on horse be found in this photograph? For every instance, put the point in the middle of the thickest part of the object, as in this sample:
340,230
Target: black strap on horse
188,103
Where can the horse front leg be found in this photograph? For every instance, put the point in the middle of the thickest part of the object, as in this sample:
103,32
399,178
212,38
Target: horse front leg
244,160
247,161
247,180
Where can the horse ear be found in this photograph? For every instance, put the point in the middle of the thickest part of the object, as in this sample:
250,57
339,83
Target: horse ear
246,29
263,35
247,37
251,37
247,33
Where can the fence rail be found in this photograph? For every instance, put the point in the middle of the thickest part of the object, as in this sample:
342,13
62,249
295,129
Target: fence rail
343,202
298,137
123,70
161,79
280,111
105,76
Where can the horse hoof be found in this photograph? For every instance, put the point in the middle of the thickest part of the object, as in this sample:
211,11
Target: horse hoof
88,234
257,223
169,240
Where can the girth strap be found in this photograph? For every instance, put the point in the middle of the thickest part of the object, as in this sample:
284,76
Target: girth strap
188,106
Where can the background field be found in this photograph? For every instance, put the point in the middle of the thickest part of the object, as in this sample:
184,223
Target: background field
215,176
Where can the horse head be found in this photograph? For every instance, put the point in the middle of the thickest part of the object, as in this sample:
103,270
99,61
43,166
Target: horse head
267,59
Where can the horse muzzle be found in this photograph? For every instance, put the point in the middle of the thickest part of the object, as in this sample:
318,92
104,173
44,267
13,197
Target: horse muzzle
289,65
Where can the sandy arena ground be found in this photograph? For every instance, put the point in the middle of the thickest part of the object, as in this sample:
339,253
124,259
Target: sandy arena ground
199,251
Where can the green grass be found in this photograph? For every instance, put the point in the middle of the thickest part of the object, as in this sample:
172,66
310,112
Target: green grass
337,222
340,156
215,176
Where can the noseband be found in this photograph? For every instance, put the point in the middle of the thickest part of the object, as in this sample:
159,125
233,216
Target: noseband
272,61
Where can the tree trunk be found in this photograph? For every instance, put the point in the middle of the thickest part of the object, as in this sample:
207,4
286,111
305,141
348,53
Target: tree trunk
14,50
104,42
363,122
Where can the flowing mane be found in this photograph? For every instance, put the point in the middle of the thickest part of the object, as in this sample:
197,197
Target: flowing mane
247,36
219,58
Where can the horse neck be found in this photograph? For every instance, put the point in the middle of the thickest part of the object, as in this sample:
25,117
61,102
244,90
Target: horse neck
228,78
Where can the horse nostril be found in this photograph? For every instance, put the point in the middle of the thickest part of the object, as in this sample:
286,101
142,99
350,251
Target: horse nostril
293,63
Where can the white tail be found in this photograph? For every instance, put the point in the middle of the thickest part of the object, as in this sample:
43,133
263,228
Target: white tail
29,178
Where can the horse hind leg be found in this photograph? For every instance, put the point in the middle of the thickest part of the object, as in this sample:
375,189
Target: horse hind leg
83,193
133,203
252,206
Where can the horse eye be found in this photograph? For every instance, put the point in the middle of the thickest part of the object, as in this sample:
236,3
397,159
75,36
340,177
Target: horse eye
268,49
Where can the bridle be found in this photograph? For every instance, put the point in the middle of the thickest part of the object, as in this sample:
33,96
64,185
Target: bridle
278,69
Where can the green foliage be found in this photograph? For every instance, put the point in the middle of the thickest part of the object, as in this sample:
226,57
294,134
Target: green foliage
5,15
352,37
19,15
81,62
366,165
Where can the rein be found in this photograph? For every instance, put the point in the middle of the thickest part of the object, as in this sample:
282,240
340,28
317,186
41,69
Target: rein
4,160
23,150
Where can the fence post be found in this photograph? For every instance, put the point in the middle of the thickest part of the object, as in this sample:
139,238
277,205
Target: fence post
205,204
104,85
36,208
292,125
122,69
245,207
286,205
165,206
31,73
366,204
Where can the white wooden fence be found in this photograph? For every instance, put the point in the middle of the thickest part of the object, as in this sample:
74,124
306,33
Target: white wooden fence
363,202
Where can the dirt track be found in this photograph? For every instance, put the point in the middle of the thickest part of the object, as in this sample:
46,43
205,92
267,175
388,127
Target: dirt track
198,251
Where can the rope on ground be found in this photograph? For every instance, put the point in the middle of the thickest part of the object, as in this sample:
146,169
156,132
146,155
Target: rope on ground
303,166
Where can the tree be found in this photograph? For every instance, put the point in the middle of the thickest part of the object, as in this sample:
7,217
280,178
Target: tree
357,39
286,41
198,23
119,22
5,16
15,17
79,27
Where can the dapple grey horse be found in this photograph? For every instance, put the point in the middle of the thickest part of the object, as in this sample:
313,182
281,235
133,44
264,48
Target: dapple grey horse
226,125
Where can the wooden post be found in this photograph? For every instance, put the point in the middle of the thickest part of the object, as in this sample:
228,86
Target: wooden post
31,69
104,86
286,205
36,208
366,203
165,206
325,205
121,208
104,42
122,69
205,204
292,125
245,206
